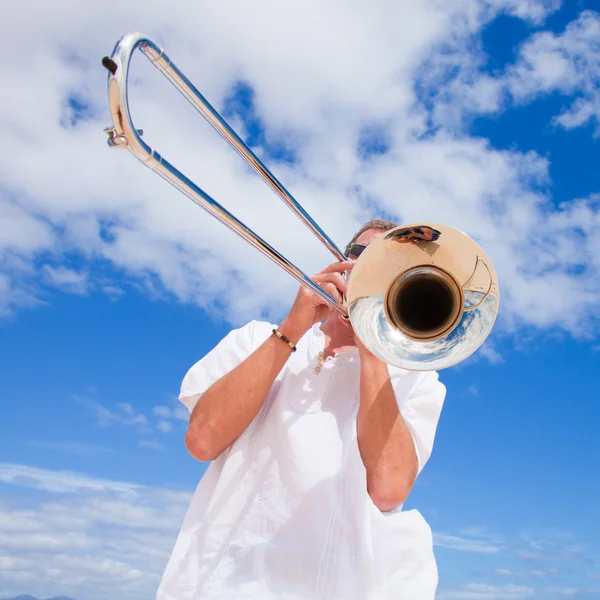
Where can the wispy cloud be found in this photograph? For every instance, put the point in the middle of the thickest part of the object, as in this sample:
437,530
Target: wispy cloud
552,546
482,591
152,444
558,554
163,411
472,391
491,354
132,417
60,481
526,573
171,418
164,426
178,412
535,564
79,448
546,546
66,279
575,591
124,414
166,420
98,538
483,544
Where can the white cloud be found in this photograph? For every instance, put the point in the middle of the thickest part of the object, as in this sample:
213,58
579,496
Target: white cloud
536,562
573,592
67,279
162,411
125,414
22,231
491,354
318,93
164,426
14,292
526,574
530,10
481,591
472,390
22,235
131,415
152,444
568,63
481,544
94,538
181,413
79,448
84,537
169,414
60,481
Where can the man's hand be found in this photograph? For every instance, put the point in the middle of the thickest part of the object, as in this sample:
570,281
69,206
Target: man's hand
309,308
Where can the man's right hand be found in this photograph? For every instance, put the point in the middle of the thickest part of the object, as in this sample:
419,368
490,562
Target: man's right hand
309,308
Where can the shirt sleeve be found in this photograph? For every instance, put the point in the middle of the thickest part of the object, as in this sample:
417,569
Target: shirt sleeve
421,407
231,351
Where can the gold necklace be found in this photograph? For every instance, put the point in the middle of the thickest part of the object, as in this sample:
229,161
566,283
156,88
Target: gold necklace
320,361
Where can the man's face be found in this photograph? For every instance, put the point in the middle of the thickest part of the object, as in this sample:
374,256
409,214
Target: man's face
363,240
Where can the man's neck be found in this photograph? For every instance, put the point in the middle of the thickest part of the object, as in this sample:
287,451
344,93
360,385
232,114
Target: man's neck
339,337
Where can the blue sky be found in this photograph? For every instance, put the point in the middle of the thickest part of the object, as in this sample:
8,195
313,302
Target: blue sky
482,115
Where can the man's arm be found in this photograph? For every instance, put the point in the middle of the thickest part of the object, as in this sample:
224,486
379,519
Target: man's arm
385,443
230,404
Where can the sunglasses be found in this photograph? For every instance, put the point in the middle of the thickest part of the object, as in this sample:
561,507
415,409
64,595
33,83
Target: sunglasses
355,250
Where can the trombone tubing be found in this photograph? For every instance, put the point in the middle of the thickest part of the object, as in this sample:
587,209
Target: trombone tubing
124,135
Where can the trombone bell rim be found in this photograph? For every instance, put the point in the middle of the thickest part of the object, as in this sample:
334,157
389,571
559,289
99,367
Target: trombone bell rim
424,302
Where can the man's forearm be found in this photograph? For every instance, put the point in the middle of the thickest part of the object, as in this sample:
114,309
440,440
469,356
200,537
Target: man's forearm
384,441
227,407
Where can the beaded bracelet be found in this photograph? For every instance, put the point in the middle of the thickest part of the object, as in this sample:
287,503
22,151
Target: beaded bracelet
282,337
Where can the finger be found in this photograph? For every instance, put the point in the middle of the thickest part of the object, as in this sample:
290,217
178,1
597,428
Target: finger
340,266
332,290
335,278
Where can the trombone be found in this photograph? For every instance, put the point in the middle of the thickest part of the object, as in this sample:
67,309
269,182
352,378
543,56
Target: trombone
123,134
420,302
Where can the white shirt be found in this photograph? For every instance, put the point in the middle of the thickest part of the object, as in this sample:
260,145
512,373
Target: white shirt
284,512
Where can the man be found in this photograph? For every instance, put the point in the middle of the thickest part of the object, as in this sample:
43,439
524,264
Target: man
315,444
